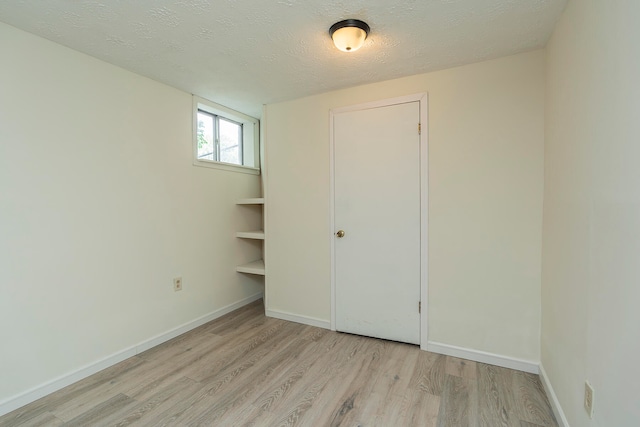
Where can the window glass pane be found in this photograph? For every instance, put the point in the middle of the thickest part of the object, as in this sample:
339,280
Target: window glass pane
230,141
206,146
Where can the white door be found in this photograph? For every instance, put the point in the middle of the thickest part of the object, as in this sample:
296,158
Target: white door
377,205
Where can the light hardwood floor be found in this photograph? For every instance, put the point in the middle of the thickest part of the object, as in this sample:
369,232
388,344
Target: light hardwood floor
247,369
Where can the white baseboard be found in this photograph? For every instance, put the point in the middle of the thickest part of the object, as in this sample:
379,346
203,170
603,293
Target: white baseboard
31,395
484,357
35,393
311,321
553,399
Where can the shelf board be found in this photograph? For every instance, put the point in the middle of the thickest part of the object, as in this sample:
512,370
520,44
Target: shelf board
259,234
254,201
255,267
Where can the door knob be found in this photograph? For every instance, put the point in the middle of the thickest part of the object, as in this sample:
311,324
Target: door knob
340,233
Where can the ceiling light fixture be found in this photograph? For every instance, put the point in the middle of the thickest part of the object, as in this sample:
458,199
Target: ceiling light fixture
349,35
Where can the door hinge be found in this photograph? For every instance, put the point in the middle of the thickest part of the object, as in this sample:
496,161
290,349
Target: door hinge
419,306
419,128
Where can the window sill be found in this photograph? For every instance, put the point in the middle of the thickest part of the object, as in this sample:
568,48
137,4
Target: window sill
227,167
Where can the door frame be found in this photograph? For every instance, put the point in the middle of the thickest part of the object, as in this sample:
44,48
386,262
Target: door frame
422,98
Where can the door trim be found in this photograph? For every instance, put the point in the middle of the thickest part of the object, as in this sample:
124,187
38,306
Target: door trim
422,98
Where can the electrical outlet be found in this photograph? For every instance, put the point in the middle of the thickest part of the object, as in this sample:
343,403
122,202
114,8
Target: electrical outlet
588,398
177,284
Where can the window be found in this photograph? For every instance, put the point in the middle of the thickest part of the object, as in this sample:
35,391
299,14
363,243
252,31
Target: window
224,139
219,139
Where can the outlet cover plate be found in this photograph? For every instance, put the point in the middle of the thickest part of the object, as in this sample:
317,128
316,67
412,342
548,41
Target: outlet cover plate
588,398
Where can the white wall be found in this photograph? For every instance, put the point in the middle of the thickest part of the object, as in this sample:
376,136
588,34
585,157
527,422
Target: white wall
486,130
591,250
100,207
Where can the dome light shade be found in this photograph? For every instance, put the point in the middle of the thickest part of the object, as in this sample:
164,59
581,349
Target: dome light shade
349,35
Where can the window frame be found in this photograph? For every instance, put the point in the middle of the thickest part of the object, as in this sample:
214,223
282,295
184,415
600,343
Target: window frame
250,144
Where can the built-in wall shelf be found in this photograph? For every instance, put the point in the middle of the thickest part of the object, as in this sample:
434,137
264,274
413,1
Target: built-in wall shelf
258,235
255,267
254,201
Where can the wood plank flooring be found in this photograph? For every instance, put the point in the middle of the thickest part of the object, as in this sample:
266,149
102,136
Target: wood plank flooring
245,369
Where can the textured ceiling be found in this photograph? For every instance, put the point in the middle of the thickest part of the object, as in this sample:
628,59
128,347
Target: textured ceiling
245,53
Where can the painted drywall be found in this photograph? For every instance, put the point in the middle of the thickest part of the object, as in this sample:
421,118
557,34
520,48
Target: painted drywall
486,130
591,232
100,207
